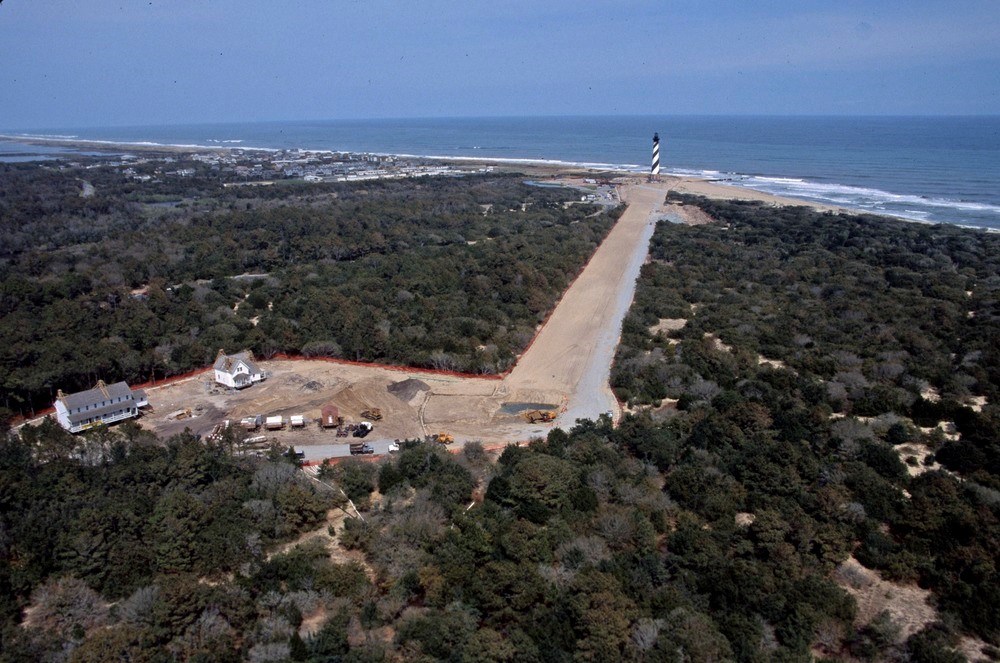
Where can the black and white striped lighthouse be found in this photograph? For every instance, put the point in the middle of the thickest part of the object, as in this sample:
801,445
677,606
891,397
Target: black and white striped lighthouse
654,172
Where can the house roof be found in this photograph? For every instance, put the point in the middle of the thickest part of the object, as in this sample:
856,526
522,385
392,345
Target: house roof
78,417
228,363
91,397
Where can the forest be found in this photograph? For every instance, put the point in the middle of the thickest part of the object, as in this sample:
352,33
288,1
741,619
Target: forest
831,394
816,354
710,525
144,280
596,544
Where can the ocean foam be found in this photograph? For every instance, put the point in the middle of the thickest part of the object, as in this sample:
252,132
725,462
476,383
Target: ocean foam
907,206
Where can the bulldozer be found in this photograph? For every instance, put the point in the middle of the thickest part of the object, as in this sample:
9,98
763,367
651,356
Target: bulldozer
375,414
536,416
441,438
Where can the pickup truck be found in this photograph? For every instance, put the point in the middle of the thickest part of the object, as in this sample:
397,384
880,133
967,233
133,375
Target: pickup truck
358,448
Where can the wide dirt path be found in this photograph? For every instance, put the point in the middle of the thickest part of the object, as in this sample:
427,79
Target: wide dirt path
567,366
572,353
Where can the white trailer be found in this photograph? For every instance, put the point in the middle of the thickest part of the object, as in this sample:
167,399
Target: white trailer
274,423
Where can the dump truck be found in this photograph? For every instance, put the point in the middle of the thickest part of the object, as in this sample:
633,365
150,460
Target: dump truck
536,416
330,417
274,423
373,413
362,429
359,448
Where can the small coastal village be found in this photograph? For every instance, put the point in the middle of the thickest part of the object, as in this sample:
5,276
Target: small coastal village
263,167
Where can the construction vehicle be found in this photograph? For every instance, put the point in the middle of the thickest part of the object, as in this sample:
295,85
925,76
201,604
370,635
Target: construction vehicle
374,414
359,448
441,438
539,416
362,429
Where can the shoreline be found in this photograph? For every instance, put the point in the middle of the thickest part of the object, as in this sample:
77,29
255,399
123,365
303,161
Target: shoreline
683,181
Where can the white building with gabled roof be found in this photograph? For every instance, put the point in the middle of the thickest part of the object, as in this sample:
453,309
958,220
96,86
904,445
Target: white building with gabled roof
237,371
102,405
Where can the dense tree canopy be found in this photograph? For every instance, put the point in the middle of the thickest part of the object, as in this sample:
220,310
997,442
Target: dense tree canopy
710,524
815,346
147,279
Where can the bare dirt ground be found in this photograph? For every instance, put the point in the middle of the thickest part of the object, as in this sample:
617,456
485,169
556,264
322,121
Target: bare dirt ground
906,605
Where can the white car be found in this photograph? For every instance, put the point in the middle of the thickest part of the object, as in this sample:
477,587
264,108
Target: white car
393,447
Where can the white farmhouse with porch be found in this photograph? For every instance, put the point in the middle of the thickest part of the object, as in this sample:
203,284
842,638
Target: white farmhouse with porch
104,404
237,371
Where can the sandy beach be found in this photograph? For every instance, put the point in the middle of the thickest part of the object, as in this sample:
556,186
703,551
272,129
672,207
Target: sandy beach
554,170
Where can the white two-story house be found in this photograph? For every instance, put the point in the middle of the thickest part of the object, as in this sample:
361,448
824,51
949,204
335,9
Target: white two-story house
104,404
237,371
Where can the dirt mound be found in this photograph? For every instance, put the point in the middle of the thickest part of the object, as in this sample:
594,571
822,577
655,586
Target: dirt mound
360,396
691,214
312,385
405,390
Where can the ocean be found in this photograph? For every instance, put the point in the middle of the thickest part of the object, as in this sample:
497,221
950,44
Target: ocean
928,169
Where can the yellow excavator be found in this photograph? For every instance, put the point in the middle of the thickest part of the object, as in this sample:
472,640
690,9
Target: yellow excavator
539,416
441,438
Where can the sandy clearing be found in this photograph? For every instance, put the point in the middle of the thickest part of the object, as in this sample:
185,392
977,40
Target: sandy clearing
920,452
976,403
773,363
566,367
906,604
687,214
667,325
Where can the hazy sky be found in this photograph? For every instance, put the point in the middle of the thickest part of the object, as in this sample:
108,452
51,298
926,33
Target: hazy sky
72,63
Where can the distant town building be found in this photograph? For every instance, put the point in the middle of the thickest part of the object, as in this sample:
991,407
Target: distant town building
237,371
104,404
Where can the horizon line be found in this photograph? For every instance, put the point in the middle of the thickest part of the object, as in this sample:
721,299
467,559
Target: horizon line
519,117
